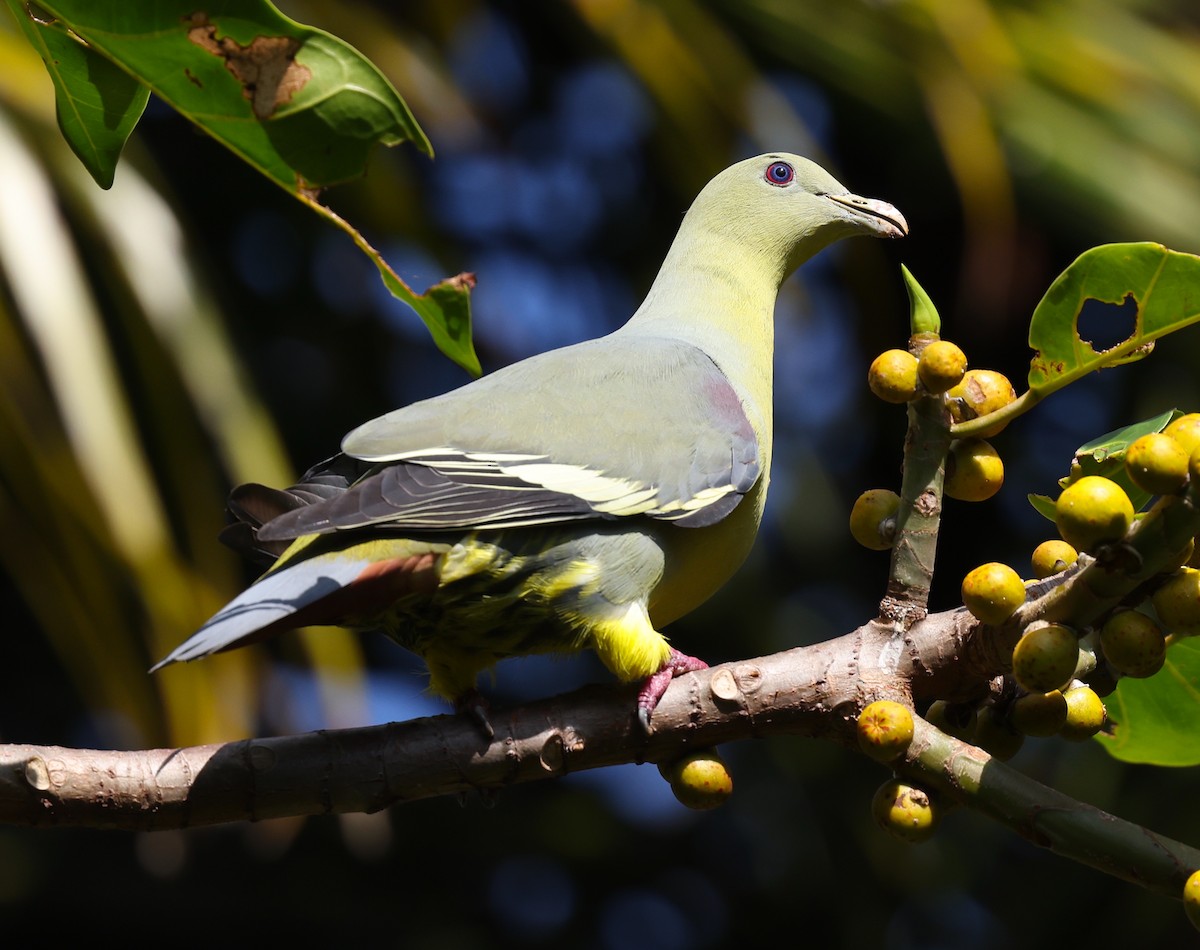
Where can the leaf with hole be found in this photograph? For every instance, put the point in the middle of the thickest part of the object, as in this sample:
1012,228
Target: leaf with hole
1163,285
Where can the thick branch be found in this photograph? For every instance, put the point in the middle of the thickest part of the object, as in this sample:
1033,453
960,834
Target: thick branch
1049,818
814,691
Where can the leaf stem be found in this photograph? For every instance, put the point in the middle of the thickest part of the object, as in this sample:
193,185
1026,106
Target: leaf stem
1019,406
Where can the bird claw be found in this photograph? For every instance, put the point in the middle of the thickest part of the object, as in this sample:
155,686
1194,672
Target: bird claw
655,685
475,707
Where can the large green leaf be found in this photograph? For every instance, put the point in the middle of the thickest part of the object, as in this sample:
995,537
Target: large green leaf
298,104
1155,719
97,103
1164,285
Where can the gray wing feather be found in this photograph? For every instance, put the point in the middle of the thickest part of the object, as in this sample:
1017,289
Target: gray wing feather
271,599
604,429
418,498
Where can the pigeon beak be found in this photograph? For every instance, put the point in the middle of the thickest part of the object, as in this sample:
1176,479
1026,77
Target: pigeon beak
874,216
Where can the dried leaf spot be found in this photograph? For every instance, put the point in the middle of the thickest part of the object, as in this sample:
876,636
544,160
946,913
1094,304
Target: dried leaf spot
306,189
1103,325
266,68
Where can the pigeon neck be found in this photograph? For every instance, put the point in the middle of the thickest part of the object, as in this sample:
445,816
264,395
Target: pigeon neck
716,293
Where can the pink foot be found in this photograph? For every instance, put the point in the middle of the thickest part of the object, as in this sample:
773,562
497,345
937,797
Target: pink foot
656,684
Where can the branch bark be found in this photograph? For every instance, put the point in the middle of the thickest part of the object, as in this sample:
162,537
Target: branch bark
815,691
1048,818
808,691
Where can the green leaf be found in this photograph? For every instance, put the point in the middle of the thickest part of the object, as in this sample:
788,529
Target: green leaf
1164,285
97,104
923,315
1044,506
1105,456
445,307
300,105
294,102
1112,445
1155,719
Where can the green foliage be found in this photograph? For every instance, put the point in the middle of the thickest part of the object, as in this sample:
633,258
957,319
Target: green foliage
299,105
1155,718
1105,456
97,103
1162,283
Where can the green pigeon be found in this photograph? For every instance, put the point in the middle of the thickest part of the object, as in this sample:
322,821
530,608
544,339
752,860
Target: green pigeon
583,498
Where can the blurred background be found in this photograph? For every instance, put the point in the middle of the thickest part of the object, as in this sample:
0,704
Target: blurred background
194,327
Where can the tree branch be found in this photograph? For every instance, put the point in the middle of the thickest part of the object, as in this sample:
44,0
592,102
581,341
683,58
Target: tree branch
1047,817
814,691
372,768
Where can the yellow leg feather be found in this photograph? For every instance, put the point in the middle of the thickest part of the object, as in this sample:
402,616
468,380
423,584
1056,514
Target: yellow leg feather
629,645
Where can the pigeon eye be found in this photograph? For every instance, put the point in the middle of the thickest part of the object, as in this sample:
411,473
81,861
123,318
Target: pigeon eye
780,173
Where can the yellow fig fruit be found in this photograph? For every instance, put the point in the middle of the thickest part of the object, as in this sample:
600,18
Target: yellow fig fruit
1157,463
941,366
974,470
1052,557
1177,602
699,780
872,519
992,592
1133,643
885,730
1093,511
893,376
1085,714
904,811
1045,658
1186,431
980,393
1039,714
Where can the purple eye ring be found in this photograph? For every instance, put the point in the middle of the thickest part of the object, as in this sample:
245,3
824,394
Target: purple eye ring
780,173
